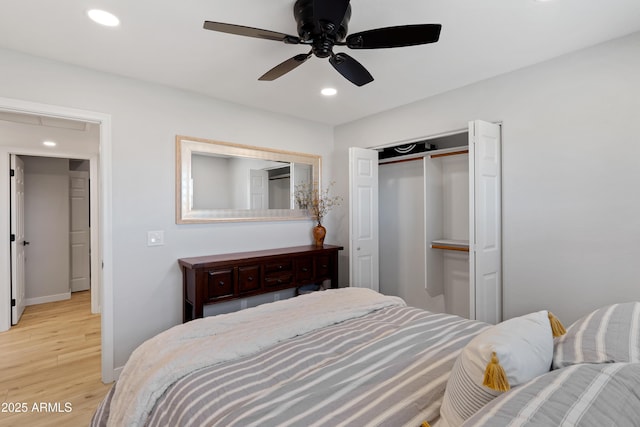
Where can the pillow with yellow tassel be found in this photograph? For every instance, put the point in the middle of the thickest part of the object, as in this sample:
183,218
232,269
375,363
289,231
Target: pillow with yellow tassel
503,356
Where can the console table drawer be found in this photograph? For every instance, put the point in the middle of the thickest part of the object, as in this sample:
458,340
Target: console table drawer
323,266
278,280
277,266
248,278
304,268
219,283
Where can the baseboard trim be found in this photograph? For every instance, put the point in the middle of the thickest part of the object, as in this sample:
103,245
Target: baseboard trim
48,298
117,372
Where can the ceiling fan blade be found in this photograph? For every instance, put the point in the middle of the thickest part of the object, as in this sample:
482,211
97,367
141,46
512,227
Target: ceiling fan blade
284,67
330,10
350,69
404,35
250,32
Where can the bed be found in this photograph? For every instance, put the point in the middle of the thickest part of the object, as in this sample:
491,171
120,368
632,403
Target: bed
341,357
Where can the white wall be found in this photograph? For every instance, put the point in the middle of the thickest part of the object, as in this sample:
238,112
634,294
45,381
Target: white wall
571,210
455,196
402,244
145,119
46,229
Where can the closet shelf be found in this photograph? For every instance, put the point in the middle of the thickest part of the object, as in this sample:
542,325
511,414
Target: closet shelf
449,153
451,245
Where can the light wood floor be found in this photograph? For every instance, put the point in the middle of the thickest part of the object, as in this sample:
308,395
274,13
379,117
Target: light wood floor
53,357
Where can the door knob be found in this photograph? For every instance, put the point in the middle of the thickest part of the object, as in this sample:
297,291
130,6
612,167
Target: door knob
25,243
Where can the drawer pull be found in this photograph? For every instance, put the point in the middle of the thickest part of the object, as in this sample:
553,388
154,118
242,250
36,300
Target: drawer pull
250,279
324,266
221,283
280,267
305,269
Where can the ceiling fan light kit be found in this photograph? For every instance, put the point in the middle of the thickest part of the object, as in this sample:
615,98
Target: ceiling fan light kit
323,24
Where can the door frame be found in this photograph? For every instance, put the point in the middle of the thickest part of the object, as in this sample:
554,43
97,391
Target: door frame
100,211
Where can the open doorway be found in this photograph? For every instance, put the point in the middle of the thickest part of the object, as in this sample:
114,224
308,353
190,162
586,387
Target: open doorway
53,245
19,121
47,152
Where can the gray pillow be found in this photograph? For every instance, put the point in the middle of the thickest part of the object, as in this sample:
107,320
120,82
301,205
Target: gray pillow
608,334
586,395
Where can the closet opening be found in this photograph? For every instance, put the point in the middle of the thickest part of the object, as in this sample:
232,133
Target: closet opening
429,211
423,207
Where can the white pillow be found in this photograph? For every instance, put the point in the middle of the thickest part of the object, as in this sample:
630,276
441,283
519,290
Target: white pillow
524,349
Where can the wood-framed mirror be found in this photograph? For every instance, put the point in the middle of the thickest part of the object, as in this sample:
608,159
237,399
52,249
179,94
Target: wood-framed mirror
223,182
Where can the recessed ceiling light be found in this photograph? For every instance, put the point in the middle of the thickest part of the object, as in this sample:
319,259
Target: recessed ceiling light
328,91
103,17
49,143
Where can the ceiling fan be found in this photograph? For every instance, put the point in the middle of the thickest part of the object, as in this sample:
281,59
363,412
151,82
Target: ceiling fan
322,24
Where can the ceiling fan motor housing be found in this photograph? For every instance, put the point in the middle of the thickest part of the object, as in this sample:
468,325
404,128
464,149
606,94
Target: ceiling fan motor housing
322,33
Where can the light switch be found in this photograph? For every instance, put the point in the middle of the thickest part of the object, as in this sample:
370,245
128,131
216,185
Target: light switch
155,238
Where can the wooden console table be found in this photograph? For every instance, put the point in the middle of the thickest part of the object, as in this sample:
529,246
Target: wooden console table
216,278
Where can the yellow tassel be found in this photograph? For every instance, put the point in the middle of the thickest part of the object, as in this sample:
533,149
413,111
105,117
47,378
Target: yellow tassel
425,424
556,326
494,376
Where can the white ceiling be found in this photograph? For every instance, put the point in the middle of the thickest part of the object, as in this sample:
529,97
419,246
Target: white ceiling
163,41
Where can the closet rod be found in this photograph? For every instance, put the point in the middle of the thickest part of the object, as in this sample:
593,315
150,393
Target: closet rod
452,153
400,161
450,248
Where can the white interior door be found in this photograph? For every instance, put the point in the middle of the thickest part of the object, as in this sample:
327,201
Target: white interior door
363,218
18,242
79,237
485,221
258,189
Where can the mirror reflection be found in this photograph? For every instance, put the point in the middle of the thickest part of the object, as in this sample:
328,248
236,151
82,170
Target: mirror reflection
223,182
219,181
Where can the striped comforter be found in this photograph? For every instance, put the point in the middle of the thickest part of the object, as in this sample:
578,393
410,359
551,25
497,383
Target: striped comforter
385,368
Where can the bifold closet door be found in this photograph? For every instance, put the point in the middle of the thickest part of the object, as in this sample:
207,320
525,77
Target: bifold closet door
485,236
363,218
